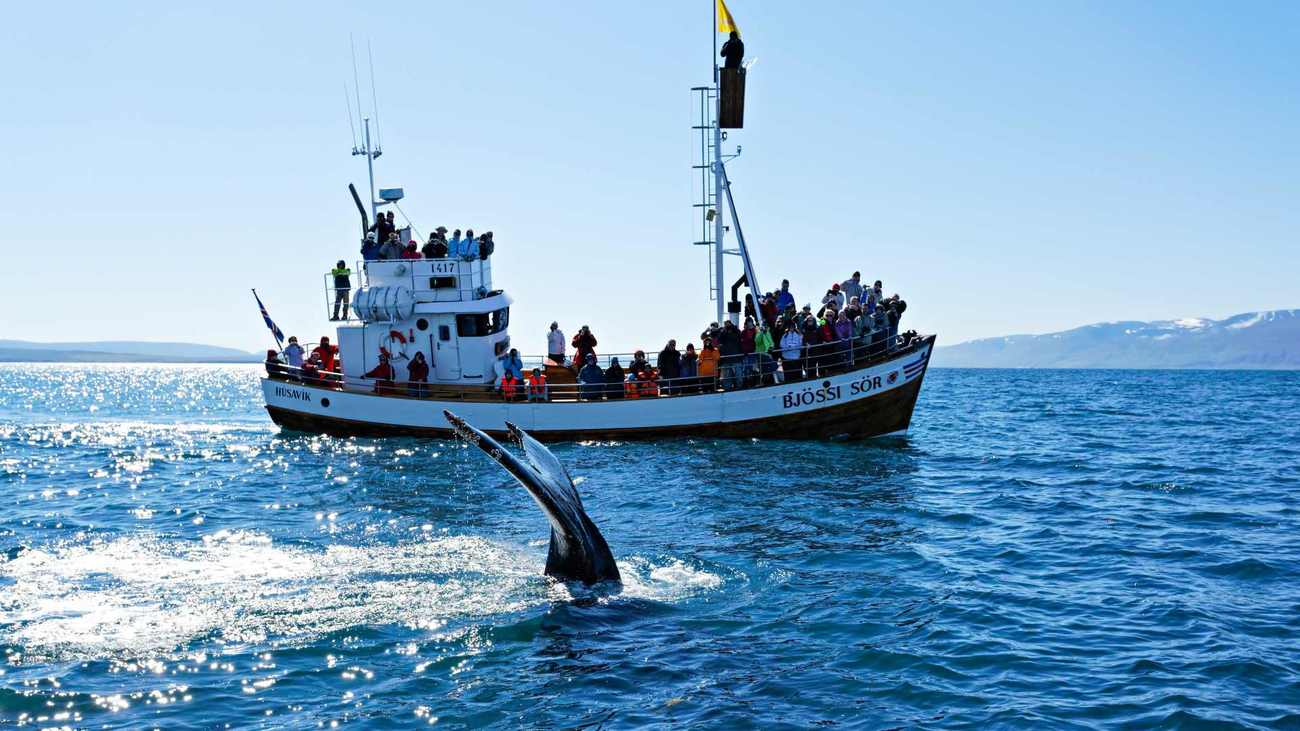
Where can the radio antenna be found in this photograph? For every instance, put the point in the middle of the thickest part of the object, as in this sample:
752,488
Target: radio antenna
352,125
374,98
356,85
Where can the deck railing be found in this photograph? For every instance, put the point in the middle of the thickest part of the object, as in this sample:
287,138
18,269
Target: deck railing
733,373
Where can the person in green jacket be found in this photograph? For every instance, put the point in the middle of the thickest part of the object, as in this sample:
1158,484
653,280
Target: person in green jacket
763,347
342,288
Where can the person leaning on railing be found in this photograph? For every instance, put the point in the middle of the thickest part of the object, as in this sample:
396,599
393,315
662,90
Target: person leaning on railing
384,376
274,366
417,375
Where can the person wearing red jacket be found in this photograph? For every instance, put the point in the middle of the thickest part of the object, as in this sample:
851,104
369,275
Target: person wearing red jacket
326,353
585,344
384,375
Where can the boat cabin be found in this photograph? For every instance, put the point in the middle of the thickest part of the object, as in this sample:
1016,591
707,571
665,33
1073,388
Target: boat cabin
446,309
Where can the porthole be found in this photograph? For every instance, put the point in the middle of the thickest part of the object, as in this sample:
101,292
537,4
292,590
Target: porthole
324,402
422,324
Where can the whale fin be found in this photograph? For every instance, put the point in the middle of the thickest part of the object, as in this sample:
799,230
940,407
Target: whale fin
578,551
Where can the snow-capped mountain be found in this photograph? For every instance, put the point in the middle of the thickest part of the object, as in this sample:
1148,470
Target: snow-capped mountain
1267,340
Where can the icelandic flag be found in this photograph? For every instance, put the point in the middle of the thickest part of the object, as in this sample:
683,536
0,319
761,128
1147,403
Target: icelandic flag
270,324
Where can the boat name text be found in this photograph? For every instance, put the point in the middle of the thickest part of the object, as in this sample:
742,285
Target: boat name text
827,392
293,393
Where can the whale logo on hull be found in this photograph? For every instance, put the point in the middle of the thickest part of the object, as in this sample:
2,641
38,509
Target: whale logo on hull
578,551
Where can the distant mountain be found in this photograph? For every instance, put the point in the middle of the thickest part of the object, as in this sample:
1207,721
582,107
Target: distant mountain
1264,340
121,351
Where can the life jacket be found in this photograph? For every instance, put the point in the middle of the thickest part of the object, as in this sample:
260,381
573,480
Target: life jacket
649,385
508,386
537,385
632,389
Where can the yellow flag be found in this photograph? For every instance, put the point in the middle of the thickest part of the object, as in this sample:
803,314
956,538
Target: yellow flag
726,23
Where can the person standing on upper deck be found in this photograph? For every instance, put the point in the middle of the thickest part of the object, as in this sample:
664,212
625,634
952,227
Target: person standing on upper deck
437,246
733,51
468,246
852,287
783,298
383,226
584,344
392,248
342,288
453,246
555,344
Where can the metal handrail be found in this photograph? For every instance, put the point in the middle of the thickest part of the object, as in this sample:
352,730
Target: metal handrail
661,388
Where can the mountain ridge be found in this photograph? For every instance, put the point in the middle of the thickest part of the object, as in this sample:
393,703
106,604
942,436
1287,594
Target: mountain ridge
121,351
1268,340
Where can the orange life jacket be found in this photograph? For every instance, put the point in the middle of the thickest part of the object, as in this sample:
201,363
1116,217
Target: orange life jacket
649,386
537,385
631,390
508,385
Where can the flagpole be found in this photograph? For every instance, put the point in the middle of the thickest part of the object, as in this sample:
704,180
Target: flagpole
714,32
279,346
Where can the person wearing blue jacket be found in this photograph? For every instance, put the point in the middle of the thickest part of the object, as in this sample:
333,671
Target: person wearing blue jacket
783,298
468,246
514,365
592,380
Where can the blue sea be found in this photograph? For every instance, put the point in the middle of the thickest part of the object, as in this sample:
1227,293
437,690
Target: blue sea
1046,549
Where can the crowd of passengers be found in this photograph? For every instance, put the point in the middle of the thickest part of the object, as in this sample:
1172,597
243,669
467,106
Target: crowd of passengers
318,366
777,343
384,242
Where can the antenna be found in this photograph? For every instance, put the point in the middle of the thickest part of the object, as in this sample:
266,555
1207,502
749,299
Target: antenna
374,98
351,125
356,85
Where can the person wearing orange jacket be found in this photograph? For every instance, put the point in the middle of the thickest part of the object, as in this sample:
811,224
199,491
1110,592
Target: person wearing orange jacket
509,386
708,367
537,390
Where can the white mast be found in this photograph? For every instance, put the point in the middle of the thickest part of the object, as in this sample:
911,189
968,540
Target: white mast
719,279
370,168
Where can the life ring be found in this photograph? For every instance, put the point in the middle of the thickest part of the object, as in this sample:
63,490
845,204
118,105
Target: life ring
395,336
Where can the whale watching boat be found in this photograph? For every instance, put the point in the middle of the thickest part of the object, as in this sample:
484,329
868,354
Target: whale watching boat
450,314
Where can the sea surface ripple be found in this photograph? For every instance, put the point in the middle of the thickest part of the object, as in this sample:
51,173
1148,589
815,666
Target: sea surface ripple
1065,549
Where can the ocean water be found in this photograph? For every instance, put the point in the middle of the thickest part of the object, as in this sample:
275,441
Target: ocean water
1064,549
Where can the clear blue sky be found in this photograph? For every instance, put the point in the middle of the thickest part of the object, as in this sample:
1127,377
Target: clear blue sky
1007,166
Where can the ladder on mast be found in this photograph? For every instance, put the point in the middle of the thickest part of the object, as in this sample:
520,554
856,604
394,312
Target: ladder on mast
707,204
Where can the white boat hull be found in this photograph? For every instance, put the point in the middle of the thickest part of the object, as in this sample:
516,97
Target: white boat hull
873,401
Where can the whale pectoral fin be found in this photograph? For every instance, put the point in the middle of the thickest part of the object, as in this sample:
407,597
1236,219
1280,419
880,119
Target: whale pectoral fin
546,464
577,550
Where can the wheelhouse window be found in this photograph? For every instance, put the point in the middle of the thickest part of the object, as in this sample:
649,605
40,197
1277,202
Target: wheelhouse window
477,326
